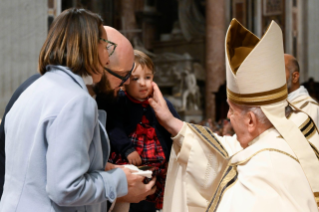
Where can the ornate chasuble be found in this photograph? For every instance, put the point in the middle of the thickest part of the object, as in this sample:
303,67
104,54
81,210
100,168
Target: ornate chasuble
233,181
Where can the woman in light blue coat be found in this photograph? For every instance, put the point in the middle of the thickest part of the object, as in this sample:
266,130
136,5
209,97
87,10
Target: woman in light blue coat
56,147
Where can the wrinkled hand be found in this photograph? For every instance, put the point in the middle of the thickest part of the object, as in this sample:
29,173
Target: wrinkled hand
159,105
137,190
163,114
134,158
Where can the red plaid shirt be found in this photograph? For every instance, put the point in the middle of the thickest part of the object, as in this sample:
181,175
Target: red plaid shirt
151,152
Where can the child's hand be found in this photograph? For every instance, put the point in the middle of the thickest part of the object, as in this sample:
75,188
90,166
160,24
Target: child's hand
134,158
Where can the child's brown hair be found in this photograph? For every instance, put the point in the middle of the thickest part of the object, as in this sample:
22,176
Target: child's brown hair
140,58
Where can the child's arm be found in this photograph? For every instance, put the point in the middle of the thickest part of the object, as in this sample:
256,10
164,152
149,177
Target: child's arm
134,158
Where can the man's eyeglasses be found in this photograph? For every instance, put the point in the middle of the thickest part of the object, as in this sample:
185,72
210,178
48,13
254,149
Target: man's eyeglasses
110,46
121,77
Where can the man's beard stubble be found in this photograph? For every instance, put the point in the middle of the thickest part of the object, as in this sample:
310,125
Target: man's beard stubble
103,88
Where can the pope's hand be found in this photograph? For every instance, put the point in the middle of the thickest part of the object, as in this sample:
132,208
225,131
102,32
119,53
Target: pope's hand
163,114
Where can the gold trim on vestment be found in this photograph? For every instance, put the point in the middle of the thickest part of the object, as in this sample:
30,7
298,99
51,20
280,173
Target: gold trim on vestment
303,105
316,194
227,181
305,131
304,124
299,110
314,149
261,98
306,103
309,130
230,177
267,149
208,136
301,100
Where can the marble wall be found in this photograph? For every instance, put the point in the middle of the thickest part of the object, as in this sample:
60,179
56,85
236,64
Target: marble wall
23,29
312,39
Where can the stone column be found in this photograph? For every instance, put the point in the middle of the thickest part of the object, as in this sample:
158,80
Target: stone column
215,54
24,26
128,18
312,39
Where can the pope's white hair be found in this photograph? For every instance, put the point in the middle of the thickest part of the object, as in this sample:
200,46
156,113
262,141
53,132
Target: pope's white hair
261,117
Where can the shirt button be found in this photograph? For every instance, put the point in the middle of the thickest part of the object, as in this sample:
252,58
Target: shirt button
112,195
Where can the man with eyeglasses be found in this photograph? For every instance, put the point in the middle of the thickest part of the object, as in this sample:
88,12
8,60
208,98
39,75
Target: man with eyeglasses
118,71
117,74
121,63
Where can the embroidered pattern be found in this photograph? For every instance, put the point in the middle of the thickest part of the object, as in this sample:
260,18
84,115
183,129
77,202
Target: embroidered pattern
229,178
308,129
209,138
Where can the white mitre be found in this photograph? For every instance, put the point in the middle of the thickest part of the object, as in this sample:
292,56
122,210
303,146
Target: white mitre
255,72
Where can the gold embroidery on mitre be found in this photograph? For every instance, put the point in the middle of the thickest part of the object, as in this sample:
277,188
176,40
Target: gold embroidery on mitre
206,135
261,98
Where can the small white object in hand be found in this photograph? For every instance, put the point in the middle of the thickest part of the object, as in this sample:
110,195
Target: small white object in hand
146,173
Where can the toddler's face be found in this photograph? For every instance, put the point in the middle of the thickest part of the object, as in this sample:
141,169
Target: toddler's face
140,86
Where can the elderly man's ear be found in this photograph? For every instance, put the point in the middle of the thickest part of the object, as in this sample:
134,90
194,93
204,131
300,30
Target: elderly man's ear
251,122
295,77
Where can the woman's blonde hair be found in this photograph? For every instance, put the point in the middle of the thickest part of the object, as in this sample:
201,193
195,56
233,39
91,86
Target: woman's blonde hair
73,42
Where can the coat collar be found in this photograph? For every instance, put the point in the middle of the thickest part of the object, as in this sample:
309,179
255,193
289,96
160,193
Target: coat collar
76,78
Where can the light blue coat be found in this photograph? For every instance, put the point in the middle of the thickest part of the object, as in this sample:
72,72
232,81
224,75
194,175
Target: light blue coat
56,149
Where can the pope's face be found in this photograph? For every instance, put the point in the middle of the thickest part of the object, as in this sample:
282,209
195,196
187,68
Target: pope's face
238,119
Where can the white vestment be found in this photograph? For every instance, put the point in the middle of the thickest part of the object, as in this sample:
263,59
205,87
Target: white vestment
301,99
211,173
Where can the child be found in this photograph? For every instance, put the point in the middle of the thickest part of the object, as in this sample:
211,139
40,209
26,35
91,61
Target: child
136,136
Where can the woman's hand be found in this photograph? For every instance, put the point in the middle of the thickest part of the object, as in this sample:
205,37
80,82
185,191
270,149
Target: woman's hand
110,166
134,158
137,190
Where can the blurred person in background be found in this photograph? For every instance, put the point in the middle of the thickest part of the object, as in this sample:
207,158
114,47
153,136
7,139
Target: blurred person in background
298,94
